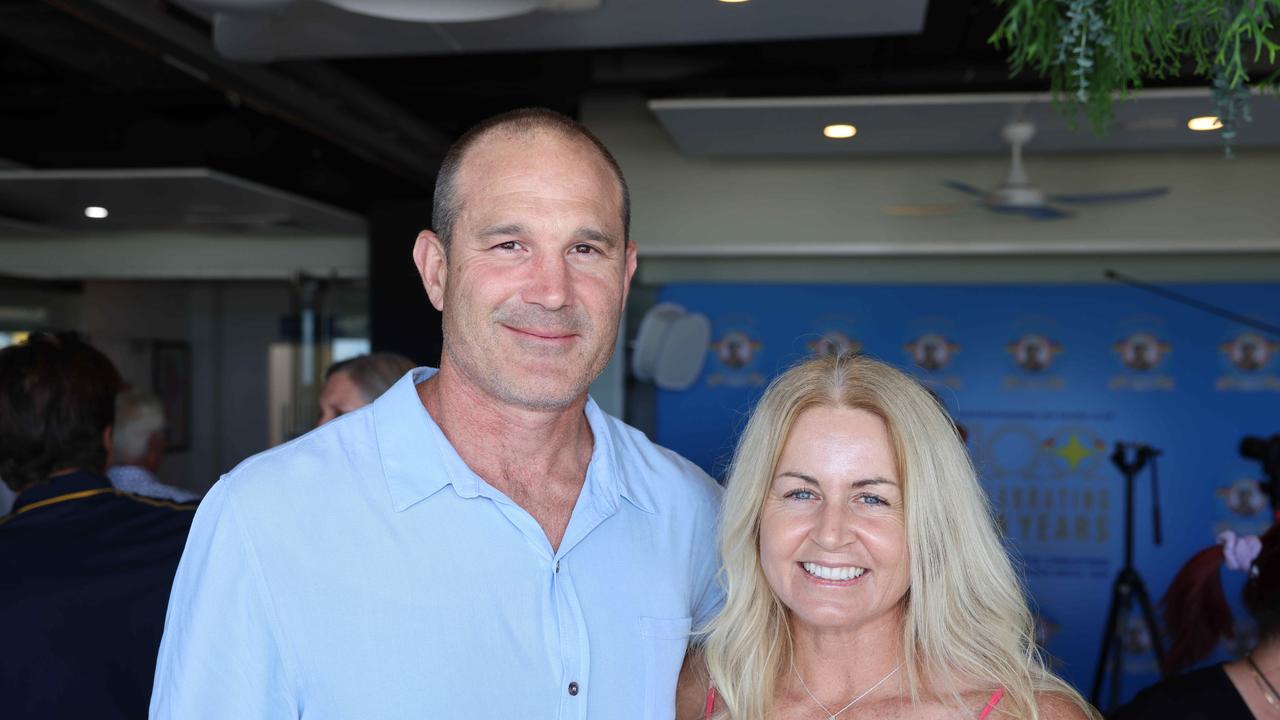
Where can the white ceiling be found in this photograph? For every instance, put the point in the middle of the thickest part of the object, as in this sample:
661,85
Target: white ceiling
945,124
312,29
139,200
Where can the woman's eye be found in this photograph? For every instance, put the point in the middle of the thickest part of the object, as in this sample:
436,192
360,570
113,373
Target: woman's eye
872,500
800,495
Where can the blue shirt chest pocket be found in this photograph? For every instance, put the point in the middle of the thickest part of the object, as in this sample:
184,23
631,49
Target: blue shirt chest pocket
663,641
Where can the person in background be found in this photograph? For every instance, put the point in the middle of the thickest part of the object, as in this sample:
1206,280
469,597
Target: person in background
863,568
482,541
353,383
137,447
1197,617
85,569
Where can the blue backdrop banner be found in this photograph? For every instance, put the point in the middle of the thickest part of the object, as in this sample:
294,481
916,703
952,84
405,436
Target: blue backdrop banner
1045,379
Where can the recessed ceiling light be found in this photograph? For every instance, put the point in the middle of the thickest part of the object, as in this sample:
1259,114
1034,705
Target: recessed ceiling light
733,1
95,212
839,131
1206,122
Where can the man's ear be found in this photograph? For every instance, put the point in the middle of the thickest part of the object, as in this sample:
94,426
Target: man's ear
107,435
631,270
433,267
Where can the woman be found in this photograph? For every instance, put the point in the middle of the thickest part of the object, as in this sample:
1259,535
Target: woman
864,574
1197,616
355,382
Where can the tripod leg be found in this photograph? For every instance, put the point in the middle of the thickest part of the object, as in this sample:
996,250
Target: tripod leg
1109,636
1117,666
1153,629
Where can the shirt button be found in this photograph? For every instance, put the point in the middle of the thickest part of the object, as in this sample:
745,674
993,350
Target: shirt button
573,688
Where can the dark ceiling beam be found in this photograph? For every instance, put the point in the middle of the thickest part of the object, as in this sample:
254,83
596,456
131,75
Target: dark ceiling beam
311,96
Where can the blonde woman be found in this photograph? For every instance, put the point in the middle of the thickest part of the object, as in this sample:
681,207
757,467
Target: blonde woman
864,574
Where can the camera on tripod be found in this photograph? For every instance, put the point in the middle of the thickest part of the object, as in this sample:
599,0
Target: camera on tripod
1267,452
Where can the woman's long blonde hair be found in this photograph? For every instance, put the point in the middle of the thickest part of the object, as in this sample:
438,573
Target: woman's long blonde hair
966,618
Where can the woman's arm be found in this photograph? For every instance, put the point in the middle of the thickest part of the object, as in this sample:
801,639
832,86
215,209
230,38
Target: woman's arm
691,688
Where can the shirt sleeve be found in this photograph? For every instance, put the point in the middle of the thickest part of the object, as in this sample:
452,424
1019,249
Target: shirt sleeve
222,654
708,592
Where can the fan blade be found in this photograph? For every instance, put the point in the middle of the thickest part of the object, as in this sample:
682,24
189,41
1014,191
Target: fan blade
1111,197
964,187
1037,212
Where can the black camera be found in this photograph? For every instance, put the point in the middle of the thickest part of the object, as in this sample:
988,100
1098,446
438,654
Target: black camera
1264,450
1267,452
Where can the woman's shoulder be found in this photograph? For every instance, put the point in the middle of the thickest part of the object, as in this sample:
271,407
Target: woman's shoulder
1061,706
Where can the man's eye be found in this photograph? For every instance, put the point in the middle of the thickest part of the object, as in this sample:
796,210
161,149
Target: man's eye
584,249
508,245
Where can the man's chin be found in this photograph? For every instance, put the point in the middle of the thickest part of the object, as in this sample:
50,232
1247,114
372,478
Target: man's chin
542,398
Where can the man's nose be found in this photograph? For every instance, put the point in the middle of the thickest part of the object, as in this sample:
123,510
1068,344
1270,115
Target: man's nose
550,284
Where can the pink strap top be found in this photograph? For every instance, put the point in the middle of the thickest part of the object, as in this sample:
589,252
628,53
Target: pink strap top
992,702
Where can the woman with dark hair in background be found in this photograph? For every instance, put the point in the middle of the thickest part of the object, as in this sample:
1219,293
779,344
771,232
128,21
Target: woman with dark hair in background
353,383
1197,617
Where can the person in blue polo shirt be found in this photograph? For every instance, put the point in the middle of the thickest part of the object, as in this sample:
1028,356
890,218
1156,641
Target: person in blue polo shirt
482,541
85,569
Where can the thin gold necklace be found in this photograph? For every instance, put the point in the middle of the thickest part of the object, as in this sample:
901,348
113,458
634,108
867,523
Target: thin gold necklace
834,715
1269,693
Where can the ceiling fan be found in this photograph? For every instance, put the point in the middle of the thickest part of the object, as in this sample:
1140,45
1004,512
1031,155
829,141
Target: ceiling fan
1018,196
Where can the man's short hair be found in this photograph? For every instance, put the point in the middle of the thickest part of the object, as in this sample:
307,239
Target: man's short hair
446,204
372,374
57,396
139,416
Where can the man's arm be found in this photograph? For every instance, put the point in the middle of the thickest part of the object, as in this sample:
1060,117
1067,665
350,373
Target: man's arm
708,595
221,656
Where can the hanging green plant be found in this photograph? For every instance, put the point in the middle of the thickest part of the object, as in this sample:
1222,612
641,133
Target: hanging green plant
1093,51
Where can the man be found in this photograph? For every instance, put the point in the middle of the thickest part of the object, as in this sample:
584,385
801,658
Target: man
85,570
137,447
481,541
355,382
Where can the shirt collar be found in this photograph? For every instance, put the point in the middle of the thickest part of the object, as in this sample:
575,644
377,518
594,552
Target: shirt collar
61,485
613,467
133,472
418,460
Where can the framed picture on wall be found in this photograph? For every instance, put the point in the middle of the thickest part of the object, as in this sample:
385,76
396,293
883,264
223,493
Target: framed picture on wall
171,382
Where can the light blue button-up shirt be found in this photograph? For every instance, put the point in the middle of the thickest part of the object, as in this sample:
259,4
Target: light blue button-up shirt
364,571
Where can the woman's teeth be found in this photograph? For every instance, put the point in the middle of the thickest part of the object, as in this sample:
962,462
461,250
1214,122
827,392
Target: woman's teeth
833,573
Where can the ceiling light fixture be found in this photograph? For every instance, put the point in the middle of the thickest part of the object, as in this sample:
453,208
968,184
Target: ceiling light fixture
839,132
1203,123
733,2
95,212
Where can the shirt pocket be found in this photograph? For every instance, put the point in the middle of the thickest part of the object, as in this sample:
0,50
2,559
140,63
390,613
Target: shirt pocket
663,641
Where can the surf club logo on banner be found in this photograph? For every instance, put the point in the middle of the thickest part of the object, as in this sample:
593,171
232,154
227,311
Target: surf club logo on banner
1248,509
1142,354
1034,354
736,350
829,335
1250,358
933,353
834,343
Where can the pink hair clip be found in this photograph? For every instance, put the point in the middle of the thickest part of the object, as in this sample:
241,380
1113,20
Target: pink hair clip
1239,552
